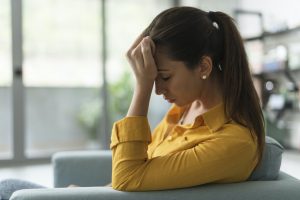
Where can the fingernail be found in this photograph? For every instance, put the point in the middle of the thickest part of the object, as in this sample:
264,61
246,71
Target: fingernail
144,42
143,45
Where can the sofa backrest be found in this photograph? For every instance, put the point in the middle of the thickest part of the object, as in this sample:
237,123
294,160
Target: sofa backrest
269,167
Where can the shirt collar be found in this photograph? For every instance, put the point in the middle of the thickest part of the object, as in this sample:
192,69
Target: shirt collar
214,118
175,113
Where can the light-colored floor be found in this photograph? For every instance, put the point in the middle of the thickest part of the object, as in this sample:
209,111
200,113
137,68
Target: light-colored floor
291,163
43,174
40,174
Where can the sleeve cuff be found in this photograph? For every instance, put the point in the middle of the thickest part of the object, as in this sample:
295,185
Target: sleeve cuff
129,129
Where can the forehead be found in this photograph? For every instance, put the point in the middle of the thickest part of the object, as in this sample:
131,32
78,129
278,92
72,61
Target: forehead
165,63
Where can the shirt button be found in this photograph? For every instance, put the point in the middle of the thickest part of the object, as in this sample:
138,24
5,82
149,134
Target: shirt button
169,138
184,140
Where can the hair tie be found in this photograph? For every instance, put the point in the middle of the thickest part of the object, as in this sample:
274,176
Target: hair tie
211,16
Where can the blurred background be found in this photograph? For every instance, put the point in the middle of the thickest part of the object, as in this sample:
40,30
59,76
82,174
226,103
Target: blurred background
64,78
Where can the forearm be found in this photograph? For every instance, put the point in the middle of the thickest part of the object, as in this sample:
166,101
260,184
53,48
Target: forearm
140,100
129,144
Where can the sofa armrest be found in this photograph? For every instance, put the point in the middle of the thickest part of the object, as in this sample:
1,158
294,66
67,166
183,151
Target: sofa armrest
83,168
285,187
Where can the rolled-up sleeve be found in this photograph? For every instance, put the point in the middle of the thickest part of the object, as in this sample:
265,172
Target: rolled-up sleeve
130,129
129,143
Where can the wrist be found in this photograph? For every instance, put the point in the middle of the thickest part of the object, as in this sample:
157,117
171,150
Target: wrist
140,101
144,87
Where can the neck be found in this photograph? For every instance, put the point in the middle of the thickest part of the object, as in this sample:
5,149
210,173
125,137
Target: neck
210,97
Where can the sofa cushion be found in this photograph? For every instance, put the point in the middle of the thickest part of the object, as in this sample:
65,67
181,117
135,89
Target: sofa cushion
269,167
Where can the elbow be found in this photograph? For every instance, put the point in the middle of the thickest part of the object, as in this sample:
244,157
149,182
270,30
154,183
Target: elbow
120,188
124,187
118,185
125,184
127,177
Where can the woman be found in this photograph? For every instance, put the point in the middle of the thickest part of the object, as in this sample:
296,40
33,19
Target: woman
214,131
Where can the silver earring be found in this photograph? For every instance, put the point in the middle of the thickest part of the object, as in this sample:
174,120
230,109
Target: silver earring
220,68
204,77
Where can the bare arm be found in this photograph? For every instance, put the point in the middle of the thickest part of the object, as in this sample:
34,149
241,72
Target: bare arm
143,65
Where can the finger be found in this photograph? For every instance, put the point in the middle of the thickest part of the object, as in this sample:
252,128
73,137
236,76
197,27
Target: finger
137,58
152,45
136,42
135,53
147,54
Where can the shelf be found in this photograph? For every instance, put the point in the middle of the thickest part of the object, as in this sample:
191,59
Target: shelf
270,34
279,71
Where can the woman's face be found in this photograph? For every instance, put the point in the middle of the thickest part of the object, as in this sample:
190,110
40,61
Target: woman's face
175,81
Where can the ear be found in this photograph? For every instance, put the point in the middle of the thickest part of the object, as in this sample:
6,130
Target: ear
205,67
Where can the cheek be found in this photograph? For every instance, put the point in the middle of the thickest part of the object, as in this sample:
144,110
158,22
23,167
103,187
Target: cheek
187,90
174,86
179,88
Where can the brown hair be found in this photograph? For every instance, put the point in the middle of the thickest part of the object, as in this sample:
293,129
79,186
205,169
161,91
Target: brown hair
188,34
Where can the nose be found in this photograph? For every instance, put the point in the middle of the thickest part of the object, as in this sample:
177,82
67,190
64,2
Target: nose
158,87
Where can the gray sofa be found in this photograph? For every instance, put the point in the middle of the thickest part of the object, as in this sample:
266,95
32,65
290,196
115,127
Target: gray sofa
91,169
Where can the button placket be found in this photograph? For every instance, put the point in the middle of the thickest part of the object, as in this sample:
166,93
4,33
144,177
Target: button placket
174,134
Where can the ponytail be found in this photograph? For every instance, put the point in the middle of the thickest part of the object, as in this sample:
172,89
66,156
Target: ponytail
240,97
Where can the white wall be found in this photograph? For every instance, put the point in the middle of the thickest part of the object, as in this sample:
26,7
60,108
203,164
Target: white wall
227,6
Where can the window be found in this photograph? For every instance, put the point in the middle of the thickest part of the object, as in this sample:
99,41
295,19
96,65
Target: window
126,19
58,44
5,82
62,72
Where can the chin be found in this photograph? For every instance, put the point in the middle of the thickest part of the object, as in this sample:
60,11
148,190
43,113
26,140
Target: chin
182,104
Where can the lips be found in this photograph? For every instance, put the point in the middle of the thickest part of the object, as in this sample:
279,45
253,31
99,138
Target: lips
168,99
171,100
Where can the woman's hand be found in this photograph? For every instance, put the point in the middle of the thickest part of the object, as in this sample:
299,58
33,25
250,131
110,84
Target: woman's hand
140,57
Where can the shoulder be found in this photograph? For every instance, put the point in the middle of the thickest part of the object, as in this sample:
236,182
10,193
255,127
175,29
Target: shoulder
236,142
232,128
236,136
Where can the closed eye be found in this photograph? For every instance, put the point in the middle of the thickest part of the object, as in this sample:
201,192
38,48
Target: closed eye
165,78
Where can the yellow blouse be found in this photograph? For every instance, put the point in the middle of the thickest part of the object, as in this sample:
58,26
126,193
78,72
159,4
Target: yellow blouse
214,149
